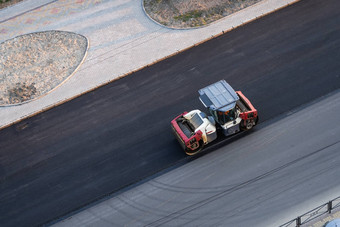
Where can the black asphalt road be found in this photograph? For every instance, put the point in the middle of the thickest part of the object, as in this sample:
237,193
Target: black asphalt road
101,142
282,160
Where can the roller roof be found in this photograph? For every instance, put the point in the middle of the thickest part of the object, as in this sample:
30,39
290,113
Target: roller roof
218,96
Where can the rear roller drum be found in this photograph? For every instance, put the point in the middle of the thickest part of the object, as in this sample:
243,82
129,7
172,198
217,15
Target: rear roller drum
247,125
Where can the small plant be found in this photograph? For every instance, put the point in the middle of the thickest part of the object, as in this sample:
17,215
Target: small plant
189,15
21,92
152,2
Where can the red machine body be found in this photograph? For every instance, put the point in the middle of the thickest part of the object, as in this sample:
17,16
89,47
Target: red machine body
229,110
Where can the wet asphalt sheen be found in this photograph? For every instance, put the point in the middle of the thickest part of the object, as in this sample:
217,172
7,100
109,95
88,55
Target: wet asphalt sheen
101,142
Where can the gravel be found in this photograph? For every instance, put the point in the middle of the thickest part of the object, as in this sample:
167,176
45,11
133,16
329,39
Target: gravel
33,64
192,13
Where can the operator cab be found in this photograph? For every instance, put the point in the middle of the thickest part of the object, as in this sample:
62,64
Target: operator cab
223,117
220,100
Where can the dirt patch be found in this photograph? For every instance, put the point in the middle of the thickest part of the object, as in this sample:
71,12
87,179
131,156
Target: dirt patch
192,13
6,3
31,65
21,92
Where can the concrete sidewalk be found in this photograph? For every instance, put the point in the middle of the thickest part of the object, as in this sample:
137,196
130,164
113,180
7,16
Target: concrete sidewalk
122,40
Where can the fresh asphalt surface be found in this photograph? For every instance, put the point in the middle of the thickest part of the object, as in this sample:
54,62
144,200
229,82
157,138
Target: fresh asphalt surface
94,145
217,190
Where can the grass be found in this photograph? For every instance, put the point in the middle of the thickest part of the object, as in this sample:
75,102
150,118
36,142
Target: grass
189,15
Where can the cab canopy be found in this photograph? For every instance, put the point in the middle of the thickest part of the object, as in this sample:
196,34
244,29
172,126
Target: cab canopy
219,96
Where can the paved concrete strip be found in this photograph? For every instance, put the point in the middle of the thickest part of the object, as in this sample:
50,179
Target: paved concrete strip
259,180
122,39
21,8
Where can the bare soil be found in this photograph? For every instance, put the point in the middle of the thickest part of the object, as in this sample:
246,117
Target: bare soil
31,65
6,3
192,13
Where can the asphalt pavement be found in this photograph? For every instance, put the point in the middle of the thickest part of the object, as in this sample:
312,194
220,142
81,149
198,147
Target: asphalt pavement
267,178
122,39
101,142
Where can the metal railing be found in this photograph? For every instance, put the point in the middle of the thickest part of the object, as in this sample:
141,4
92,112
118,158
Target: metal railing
315,213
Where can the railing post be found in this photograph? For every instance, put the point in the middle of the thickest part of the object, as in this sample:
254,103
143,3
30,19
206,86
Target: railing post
329,207
298,221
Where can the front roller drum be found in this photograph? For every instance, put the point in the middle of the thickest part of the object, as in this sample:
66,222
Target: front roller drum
196,148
